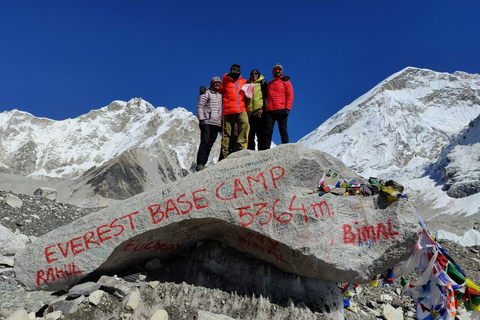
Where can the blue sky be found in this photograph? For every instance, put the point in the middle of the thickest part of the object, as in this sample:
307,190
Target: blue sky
62,58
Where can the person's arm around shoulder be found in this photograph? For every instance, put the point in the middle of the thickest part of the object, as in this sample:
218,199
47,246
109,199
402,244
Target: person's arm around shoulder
263,89
225,80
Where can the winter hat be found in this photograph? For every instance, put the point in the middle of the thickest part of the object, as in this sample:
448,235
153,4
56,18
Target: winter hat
215,79
278,65
235,66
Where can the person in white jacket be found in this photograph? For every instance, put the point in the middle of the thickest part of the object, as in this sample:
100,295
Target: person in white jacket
209,114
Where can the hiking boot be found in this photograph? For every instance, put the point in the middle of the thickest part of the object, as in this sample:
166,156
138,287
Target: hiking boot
200,167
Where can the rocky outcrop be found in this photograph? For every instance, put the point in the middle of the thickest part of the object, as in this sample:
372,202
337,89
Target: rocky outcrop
459,163
256,202
128,174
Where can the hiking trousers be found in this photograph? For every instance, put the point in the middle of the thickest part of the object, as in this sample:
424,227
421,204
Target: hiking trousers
281,117
257,128
208,135
229,120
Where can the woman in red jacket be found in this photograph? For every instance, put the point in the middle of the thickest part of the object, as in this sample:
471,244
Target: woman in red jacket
279,104
234,110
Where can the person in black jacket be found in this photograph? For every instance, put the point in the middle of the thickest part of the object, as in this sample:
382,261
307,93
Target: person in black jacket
256,110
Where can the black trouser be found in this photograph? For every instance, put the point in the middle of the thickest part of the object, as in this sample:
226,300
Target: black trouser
257,127
281,117
208,135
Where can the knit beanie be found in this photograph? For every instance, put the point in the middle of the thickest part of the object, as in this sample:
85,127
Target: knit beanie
215,79
278,65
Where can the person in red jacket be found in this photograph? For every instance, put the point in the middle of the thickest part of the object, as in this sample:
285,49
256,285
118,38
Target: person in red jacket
279,104
234,110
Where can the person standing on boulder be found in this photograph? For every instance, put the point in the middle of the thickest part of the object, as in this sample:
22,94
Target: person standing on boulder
234,110
256,110
279,104
209,114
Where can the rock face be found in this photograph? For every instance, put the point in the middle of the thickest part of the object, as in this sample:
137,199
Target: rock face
126,175
459,162
256,202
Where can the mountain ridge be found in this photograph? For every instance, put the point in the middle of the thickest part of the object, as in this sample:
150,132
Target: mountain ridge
91,159
30,144
397,130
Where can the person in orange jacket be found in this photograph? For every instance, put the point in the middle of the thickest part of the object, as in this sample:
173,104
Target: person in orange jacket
234,110
279,104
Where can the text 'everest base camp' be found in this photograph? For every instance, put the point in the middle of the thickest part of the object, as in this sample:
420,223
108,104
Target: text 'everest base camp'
260,203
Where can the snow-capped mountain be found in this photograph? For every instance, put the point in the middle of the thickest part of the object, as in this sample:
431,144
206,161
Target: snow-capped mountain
34,146
418,127
401,124
111,153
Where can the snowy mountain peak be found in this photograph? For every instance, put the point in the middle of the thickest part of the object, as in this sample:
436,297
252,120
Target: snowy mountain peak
42,147
401,124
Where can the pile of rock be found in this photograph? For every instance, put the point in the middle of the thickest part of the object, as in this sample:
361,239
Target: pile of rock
35,216
116,298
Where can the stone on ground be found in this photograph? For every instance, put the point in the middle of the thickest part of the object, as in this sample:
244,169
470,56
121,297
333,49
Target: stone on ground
95,297
19,315
205,315
159,315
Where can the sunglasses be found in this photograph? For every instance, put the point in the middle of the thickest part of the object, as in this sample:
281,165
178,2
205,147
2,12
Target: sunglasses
277,70
234,70
254,73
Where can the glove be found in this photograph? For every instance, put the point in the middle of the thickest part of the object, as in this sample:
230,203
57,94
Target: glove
285,78
286,111
202,123
258,113
203,89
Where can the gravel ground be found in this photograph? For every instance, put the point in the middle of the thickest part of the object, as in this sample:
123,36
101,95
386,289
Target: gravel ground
35,217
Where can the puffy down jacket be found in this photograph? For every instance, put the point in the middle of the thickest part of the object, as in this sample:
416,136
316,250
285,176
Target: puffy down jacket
209,107
280,94
233,95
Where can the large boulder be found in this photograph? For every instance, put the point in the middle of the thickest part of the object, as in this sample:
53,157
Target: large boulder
46,192
256,202
9,242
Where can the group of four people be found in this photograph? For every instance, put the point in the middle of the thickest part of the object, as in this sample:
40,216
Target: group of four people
243,110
